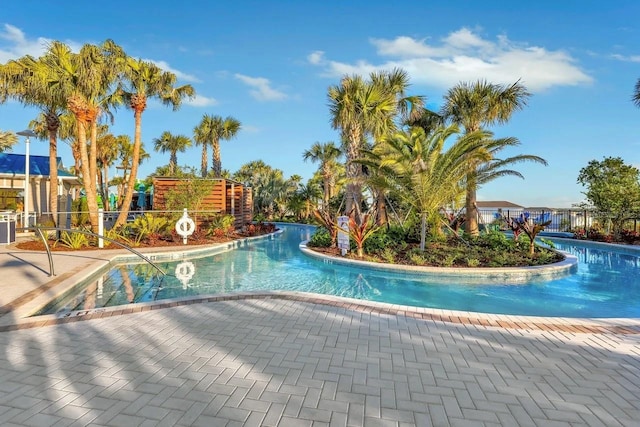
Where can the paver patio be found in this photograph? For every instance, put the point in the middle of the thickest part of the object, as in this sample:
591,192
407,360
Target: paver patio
279,362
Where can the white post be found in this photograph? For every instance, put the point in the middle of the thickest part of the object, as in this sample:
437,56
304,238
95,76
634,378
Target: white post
100,227
26,133
25,223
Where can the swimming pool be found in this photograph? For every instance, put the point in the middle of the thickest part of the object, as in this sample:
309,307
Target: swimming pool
605,285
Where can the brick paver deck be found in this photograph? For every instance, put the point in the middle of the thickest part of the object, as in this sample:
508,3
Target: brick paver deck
300,362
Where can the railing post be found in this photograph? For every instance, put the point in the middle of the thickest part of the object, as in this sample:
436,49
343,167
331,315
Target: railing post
100,227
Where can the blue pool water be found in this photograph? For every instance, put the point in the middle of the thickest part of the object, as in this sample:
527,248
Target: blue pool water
606,284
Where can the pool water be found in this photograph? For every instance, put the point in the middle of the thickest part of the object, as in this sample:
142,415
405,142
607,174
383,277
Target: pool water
606,283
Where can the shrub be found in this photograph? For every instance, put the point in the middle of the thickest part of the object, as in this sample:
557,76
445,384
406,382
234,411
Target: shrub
73,240
321,238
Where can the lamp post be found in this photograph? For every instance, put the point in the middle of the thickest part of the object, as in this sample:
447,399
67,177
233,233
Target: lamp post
27,134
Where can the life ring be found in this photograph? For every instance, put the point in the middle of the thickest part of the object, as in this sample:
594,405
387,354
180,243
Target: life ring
185,226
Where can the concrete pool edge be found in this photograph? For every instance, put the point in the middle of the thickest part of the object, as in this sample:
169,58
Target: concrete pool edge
476,275
25,306
525,323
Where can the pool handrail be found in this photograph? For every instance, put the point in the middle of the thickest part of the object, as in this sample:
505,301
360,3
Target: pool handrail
86,232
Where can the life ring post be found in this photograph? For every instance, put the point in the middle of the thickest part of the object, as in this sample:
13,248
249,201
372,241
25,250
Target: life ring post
185,226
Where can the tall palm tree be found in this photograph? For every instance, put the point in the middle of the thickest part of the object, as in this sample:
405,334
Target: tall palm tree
395,84
86,80
426,176
636,94
7,139
357,108
125,155
172,144
326,155
474,106
107,155
211,130
144,80
28,80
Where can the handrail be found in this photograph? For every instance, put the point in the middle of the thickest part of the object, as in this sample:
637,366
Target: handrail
90,233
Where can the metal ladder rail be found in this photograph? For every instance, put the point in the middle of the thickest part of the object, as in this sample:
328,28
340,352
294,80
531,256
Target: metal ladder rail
89,233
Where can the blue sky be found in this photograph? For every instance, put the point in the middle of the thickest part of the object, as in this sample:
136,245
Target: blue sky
269,64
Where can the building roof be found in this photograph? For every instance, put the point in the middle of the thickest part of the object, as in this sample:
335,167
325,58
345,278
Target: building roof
497,204
13,164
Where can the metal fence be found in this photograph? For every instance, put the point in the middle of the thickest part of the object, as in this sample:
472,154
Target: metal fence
561,220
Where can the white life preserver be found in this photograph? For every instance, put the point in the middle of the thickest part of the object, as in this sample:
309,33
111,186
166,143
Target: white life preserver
185,225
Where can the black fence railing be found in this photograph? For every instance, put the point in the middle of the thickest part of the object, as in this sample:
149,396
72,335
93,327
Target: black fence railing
561,220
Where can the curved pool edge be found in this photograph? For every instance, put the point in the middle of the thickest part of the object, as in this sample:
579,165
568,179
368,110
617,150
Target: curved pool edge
102,260
476,275
612,326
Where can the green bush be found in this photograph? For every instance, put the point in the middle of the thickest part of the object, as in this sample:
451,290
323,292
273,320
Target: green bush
321,238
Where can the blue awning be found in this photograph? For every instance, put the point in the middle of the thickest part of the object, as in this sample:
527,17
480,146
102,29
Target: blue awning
13,164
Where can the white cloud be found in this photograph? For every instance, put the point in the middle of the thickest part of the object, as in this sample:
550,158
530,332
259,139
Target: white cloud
201,101
181,76
316,57
17,45
262,90
464,55
629,58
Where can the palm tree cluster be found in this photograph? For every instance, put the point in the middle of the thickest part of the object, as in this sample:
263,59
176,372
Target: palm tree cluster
403,155
88,86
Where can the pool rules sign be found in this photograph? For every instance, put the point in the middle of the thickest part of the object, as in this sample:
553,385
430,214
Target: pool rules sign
343,234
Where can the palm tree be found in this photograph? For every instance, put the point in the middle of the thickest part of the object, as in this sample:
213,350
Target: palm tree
7,139
86,80
107,155
408,108
210,131
29,84
358,108
636,94
327,155
172,144
144,80
425,176
473,106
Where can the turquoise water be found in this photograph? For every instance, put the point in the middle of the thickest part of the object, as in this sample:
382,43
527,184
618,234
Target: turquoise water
606,284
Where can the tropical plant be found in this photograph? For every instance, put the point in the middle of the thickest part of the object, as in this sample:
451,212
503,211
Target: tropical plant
73,240
144,80
172,144
222,225
86,81
326,155
359,232
28,82
636,94
422,173
527,226
7,140
474,106
329,222
210,131
147,227
358,108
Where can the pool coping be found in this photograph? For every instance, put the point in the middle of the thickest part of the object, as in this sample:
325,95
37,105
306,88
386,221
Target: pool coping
528,323
477,275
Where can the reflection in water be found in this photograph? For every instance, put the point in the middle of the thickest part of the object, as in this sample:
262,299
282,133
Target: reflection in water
606,284
184,272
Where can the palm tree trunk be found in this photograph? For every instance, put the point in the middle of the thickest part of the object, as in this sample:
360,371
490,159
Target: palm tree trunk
470,207
423,231
173,162
135,160
381,208
204,160
217,163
